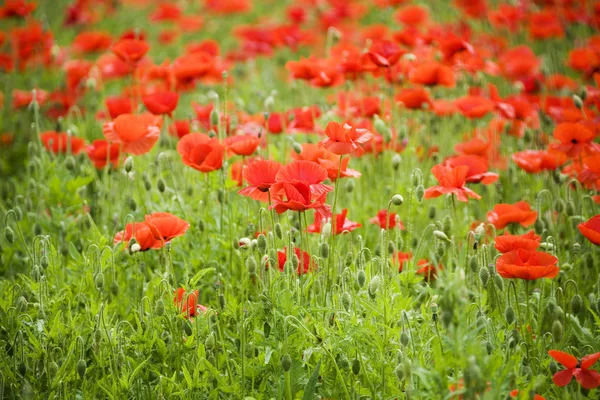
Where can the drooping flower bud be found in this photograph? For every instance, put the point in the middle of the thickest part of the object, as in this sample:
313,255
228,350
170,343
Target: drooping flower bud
286,362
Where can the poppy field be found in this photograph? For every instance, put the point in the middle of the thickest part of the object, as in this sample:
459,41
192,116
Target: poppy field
299,199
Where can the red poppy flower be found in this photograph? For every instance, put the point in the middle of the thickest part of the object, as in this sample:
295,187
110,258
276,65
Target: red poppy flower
536,161
118,105
545,25
478,168
305,264
190,67
160,103
504,214
137,133
515,393
130,50
22,98
507,242
591,229
527,265
76,71
166,12
412,15
201,152
102,152
305,171
60,143
384,53
589,175
165,227
507,16
91,42
296,195
142,234
518,63
403,258
344,139
242,145
275,123
451,181
580,369
574,139
187,303
386,223
413,98
331,163
433,73
474,106
180,128
260,175
428,270
342,224
17,8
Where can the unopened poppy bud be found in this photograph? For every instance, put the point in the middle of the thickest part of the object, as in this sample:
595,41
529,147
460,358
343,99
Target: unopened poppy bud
261,243
295,261
128,165
267,329
355,366
441,236
251,265
589,261
288,267
70,163
447,224
286,362
348,259
159,307
397,200
114,288
553,367
22,368
160,184
269,103
22,304
349,185
557,331
250,229
9,234
214,116
489,347
361,278
396,161
576,304
559,205
346,300
499,282
473,263
221,196
570,208
399,372
222,301
576,248
297,147
577,101
81,367
210,341
484,276
404,339
374,285
99,280
583,93
419,193
278,231
431,213
509,314
547,246
135,248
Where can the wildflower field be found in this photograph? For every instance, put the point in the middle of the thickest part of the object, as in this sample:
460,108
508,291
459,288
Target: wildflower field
299,199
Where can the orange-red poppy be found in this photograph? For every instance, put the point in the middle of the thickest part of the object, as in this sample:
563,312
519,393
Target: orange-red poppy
527,265
101,153
142,234
478,168
545,25
517,213
260,175
451,181
574,138
305,264
433,73
118,105
474,106
242,145
507,242
137,133
187,303
201,152
91,42
130,50
344,139
536,161
580,369
413,98
341,224
387,222
165,226
160,103
515,394
591,229
60,142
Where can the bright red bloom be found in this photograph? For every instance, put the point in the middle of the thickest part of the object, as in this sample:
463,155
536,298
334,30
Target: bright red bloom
504,214
433,73
507,242
260,175
102,152
142,234
403,258
180,128
137,133
413,98
160,103
344,139
305,171
387,223
384,53
165,227
580,369
130,50
60,143
478,168
451,181
305,264
412,15
201,152
242,145
515,393
428,270
518,63
545,24
187,303
342,224
474,106
591,229
91,42
574,139
527,265
76,71
536,161
118,105
16,8
22,98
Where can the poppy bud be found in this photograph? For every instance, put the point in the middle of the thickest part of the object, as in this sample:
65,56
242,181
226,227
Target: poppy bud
210,341
473,263
295,261
396,161
346,301
9,234
576,248
99,281
81,367
553,367
267,329
221,196
326,229
160,184
349,185
214,116
22,369
577,101
22,304
286,362
135,248
447,224
288,267
570,208
128,165
484,276
374,285
244,243
297,147
399,371
278,231
559,205
44,262
509,314
348,259
355,366
251,265
576,304
361,278
147,184
447,317
70,163
499,282
557,331
404,338
420,192
583,93
489,347
37,229
397,200
159,308
589,261
440,235
261,243
269,104
431,213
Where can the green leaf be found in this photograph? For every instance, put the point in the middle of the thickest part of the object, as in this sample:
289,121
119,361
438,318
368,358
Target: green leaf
311,385
199,275
74,253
